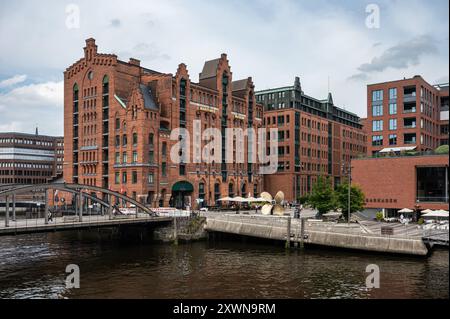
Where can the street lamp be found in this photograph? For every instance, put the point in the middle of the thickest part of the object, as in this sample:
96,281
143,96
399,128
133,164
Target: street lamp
348,170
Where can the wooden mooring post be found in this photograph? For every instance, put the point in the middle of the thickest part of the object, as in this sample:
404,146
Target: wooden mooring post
175,232
288,235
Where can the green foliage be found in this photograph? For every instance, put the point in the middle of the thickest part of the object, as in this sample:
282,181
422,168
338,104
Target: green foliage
443,149
379,216
421,221
303,199
322,196
356,199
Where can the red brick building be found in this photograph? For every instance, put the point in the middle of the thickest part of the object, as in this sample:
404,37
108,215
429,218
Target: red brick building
444,97
393,183
403,115
315,138
118,120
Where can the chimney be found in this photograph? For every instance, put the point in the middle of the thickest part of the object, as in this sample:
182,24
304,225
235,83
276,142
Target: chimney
297,84
134,61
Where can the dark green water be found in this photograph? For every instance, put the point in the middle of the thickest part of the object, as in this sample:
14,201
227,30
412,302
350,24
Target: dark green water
33,266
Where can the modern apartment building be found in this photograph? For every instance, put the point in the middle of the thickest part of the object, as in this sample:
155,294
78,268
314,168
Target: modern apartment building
30,158
315,138
403,115
119,117
443,92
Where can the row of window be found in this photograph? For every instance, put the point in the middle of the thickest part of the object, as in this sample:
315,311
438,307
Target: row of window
24,141
25,165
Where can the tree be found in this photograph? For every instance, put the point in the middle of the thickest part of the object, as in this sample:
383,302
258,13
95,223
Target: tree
322,196
356,199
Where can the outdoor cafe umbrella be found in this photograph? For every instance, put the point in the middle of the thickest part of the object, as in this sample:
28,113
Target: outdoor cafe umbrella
226,199
426,211
405,211
238,199
437,214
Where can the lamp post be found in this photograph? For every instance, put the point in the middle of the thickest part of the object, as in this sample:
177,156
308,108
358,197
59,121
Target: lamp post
348,170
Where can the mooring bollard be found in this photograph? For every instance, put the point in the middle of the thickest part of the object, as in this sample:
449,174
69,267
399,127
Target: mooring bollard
175,233
288,235
302,232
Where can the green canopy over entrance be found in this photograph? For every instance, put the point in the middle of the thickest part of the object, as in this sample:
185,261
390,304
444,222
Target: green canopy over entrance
183,187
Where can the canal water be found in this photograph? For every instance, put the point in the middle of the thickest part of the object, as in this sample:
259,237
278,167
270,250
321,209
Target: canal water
33,266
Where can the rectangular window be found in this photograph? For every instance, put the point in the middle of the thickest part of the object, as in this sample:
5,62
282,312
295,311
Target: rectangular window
135,157
134,177
377,126
377,110
124,158
377,95
117,140
377,140
392,124
117,178
164,149
164,169
392,108
117,158
124,177
393,94
393,139
151,178
151,157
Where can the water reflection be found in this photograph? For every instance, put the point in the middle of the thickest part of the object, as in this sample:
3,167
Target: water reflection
33,266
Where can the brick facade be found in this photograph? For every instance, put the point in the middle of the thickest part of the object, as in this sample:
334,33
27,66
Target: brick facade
119,116
403,113
315,138
391,182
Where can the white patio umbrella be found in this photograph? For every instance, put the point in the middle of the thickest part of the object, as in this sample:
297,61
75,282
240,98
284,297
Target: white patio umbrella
225,199
251,199
406,211
239,199
426,211
437,214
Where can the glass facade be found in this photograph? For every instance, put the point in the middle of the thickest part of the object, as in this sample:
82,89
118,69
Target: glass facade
432,184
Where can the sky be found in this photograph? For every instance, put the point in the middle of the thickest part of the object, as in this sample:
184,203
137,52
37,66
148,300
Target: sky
332,45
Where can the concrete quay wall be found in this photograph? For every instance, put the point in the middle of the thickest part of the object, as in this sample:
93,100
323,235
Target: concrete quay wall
387,244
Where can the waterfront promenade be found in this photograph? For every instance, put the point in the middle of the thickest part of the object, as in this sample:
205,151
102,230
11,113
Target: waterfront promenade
365,236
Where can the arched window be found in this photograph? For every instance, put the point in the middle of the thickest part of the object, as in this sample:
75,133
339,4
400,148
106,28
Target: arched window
135,139
151,139
105,86
231,190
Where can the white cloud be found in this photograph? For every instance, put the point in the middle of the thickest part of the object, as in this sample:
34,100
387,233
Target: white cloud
12,81
270,40
35,104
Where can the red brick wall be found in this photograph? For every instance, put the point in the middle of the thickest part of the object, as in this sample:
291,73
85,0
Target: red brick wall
391,182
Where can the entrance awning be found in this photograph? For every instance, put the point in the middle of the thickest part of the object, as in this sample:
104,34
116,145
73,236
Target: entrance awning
398,149
182,187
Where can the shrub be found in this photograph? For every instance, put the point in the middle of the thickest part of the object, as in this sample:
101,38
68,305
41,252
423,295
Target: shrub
421,221
379,216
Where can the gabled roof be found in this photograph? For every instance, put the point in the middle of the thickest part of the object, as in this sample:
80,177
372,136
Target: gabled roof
149,102
239,85
209,69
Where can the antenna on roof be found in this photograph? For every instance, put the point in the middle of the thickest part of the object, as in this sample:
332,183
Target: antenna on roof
37,130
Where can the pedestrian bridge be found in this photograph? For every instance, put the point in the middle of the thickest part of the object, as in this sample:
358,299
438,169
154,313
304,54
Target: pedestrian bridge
109,215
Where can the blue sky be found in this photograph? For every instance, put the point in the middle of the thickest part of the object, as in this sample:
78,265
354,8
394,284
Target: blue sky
271,40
